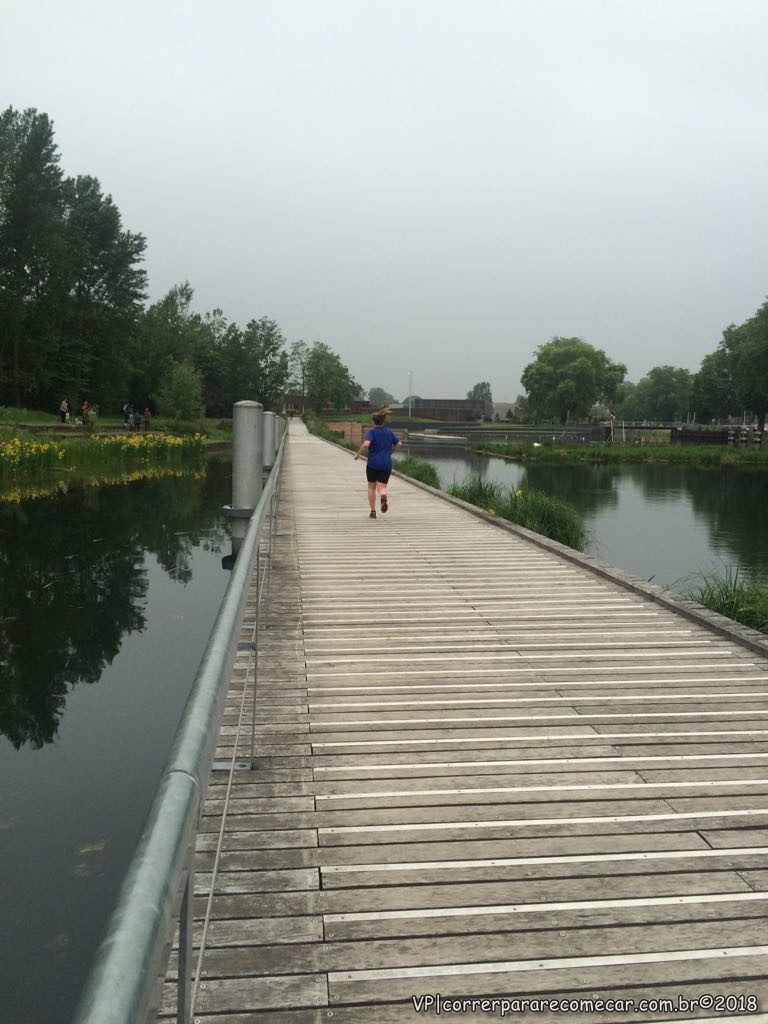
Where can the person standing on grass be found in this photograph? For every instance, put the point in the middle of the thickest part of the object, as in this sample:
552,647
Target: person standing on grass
380,442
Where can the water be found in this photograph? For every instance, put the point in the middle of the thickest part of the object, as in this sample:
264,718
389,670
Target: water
663,523
107,598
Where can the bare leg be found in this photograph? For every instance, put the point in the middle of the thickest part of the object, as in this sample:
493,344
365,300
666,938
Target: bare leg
372,495
382,489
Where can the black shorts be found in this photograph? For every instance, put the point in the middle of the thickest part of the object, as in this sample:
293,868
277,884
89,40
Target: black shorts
377,476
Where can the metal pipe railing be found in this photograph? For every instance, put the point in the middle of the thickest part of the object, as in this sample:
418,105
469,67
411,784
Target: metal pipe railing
131,958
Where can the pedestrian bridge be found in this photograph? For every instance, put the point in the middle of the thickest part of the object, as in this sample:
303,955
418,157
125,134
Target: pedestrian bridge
487,768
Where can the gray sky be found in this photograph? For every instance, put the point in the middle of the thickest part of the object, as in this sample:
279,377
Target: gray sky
430,185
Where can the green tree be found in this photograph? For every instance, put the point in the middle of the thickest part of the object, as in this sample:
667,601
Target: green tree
263,371
480,392
664,394
168,333
378,398
31,245
568,376
746,347
328,382
714,394
103,291
180,394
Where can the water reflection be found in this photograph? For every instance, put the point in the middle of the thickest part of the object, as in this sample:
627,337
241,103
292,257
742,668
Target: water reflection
73,584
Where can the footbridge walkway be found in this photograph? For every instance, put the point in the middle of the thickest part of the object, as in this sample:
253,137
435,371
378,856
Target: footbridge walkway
487,769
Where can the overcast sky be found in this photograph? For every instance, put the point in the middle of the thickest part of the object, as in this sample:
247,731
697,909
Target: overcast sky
435,186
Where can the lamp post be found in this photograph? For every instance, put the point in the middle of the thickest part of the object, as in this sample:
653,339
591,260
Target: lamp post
410,391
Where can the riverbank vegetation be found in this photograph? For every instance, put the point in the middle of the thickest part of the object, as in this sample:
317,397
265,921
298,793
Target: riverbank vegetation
24,457
689,455
529,508
735,597
418,469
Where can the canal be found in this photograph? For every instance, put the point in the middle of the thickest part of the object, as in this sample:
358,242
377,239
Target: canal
107,597
660,522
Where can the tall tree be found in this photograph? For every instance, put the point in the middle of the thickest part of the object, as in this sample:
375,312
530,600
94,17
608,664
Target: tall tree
664,394
169,333
31,245
328,381
480,392
746,347
104,289
714,394
378,398
568,376
256,364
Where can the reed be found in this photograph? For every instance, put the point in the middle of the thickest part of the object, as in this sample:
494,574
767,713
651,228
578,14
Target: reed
418,469
730,594
531,509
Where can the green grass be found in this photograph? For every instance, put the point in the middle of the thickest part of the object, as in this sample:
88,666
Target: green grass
689,455
531,509
739,599
418,470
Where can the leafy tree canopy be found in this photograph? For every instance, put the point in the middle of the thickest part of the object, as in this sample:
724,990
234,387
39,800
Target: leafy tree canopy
480,392
378,398
567,377
746,349
328,382
663,395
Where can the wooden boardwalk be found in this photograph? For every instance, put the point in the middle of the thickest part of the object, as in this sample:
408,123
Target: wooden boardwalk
484,771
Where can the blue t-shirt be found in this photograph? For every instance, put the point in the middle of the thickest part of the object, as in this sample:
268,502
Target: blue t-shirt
383,440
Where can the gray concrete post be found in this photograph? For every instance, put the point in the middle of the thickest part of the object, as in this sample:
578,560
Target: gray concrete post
247,470
247,454
270,439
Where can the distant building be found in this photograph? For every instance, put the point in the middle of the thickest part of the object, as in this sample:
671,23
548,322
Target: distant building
456,410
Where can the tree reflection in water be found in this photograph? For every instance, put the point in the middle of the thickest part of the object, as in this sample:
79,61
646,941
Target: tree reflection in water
73,583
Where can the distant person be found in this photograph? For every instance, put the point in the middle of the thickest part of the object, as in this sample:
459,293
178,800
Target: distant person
147,414
127,414
380,442
64,410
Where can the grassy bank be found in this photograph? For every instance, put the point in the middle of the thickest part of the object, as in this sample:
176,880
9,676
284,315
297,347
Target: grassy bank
688,455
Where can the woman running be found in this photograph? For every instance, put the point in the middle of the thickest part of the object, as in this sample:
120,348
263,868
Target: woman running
380,442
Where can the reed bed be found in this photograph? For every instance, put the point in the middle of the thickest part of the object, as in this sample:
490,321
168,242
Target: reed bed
418,469
531,509
734,596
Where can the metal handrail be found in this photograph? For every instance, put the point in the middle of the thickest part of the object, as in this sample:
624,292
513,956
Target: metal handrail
131,958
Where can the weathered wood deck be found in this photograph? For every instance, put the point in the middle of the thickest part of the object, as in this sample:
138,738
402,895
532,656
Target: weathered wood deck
483,771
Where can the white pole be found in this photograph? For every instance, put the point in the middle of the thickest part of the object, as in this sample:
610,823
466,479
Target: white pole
410,391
